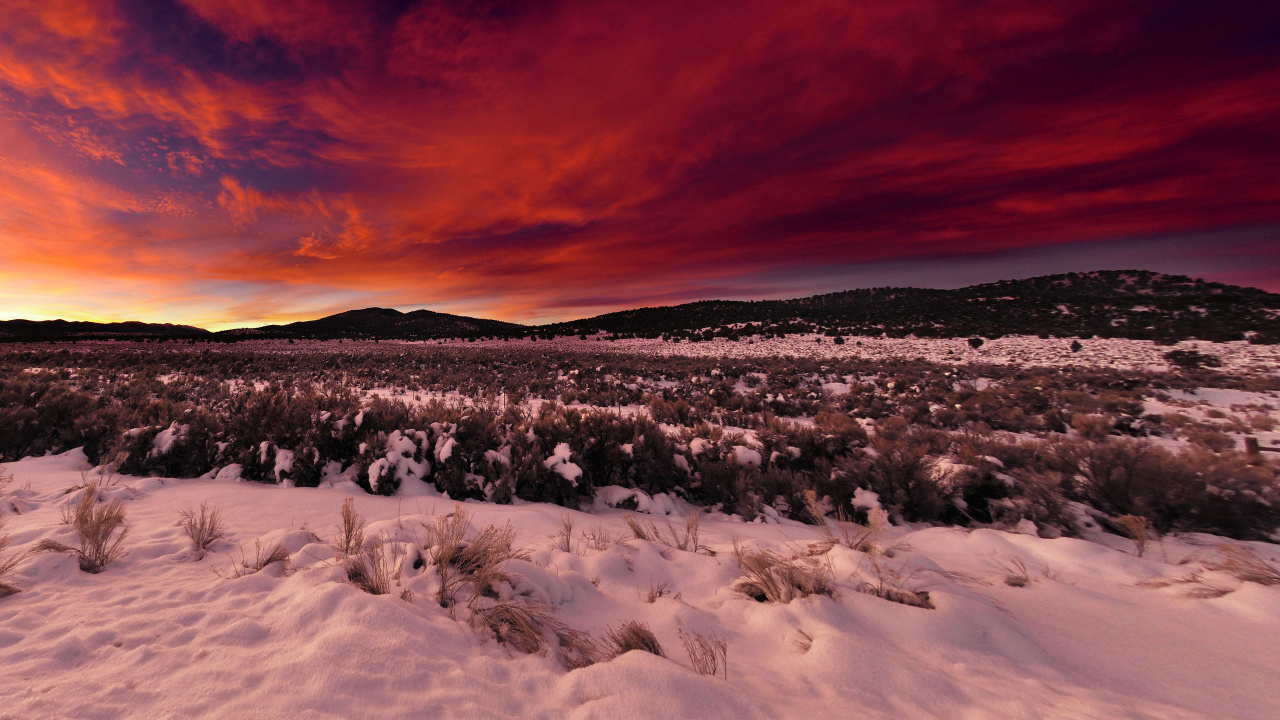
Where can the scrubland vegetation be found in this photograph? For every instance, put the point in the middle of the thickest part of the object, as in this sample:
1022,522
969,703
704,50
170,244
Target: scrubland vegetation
948,444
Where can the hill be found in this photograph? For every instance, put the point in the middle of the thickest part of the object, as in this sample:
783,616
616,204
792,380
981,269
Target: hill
1134,304
382,323
61,330
1122,303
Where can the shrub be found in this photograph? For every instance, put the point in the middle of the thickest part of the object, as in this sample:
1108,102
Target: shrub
203,526
1192,359
96,526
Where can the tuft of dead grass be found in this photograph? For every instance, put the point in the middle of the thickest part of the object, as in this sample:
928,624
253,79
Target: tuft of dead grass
96,526
633,635
688,540
1193,586
531,627
802,640
847,533
709,654
685,539
602,540
372,568
444,541
480,561
1245,564
7,564
771,577
1138,529
203,526
564,538
517,624
1015,572
261,559
656,590
895,586
484,559
641,529
350,539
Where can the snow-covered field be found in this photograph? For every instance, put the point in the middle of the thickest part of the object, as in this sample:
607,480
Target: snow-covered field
160,634
1027,350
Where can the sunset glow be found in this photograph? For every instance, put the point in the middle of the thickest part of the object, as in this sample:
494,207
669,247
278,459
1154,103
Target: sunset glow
236,162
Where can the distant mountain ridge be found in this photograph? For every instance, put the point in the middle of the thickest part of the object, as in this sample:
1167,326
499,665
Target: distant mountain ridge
1112,303
378,322
1116,303
53,330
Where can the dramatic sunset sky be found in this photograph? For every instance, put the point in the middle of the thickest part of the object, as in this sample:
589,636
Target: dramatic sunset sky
235,162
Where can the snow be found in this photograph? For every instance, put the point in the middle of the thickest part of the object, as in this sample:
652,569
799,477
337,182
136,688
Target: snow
559,463
284,463
158,634
1238,357
745,456
165,439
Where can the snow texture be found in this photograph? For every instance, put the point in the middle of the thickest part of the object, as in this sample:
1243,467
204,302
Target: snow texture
160,635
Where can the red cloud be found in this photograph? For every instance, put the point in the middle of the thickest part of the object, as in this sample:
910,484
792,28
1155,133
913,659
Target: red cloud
521,158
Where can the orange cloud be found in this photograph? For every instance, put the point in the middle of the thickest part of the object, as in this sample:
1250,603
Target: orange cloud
545,159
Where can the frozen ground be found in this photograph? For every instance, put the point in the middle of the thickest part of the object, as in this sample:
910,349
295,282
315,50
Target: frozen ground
159,634
1237,357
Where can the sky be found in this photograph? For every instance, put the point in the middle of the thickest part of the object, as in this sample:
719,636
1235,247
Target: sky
229,163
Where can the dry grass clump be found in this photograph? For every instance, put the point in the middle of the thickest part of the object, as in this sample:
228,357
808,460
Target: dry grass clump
444,541
483,560
371,569
203,526
630,636
656,590
350,539
7,564
770,577
1138,529
479,561
528,628
851,535
641,529
709,654
1238,561
96,525
261,559
895,586
1015,571
1193,586
601,540
564,538
686,539
106,476
517,624
1245,564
